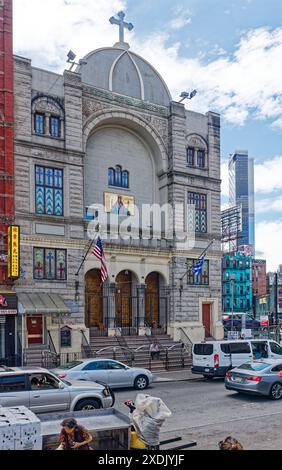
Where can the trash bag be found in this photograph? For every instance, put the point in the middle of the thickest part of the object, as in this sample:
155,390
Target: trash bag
148,418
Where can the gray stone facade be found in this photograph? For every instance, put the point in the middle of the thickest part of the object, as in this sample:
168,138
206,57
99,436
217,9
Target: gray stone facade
104,122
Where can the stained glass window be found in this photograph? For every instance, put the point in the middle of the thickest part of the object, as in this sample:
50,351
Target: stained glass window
199,201
118,177
50,264
54,126
39,123
49,191
38,263
203,278
111,177
190,156
125,179
61,264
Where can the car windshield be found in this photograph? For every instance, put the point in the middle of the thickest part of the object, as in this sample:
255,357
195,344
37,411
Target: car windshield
70,365
255,366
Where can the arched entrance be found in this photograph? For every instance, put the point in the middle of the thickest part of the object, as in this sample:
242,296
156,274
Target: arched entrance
156,303
125,303
94,301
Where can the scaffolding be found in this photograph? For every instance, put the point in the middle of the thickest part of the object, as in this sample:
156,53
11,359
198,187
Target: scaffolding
231,228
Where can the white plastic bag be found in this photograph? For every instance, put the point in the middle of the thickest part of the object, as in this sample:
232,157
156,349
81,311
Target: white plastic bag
149,416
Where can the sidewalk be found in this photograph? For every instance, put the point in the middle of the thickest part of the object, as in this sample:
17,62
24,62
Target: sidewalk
176,376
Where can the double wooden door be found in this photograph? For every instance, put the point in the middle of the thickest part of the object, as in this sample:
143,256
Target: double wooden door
93,299
152,299
124,299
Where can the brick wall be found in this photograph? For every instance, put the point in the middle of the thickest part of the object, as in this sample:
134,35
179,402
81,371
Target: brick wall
6,129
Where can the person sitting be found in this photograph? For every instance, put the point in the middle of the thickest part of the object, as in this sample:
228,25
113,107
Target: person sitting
35,383
73,436
155,350
230,443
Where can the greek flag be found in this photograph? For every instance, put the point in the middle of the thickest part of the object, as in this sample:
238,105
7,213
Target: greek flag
198,266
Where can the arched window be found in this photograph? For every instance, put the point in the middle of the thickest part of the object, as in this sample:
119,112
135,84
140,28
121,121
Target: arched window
111,177
125,179
48,116
118,176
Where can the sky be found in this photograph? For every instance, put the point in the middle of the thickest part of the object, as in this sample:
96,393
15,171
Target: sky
230,51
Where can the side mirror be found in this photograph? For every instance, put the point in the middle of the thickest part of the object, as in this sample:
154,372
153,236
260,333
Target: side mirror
61,385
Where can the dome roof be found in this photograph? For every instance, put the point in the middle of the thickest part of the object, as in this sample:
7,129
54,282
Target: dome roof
122,71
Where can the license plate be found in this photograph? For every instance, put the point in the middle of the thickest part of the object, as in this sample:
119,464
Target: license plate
236,379
207,370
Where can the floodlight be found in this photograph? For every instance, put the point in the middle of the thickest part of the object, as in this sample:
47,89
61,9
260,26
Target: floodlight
71,56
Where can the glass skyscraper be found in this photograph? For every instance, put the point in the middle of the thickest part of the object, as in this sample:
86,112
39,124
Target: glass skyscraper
241,191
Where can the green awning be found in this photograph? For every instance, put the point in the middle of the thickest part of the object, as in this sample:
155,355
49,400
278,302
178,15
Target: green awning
42,303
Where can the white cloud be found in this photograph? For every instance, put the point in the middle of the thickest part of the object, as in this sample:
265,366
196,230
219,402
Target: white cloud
244,85
268,242
183,16
269,205
268,175
179,23
46,31
224,179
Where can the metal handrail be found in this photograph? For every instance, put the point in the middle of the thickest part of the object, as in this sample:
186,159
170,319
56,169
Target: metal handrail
189,342
51,343
85,345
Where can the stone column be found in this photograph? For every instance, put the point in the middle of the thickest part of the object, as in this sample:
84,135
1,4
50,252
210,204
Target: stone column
141,291
110,310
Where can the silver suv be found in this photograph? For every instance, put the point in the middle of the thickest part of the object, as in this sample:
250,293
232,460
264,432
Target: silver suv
43,392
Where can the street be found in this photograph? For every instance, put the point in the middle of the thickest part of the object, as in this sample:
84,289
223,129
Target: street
207,413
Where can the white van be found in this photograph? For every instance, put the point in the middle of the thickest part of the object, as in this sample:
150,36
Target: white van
215,358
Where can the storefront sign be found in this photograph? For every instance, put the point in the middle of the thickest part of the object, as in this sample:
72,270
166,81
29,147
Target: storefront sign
8,303
264,321
13,252
232,335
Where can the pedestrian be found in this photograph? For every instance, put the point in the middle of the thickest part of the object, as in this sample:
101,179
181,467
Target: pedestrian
73,436
230,443
155,350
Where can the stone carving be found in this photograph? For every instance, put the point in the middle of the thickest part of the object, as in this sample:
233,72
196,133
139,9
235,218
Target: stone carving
47,104
126,100
196,141
90,107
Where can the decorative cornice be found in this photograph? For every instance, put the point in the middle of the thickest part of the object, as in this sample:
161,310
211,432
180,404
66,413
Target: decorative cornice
125,100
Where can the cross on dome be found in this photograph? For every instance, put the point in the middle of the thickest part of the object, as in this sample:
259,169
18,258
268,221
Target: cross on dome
122,25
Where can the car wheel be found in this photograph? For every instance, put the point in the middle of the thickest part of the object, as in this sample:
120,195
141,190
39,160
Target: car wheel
276,391
141,382
88,404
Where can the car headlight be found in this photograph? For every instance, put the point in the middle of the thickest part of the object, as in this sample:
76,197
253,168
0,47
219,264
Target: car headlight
106,392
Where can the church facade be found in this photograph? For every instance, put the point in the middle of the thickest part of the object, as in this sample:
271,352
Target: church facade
94,147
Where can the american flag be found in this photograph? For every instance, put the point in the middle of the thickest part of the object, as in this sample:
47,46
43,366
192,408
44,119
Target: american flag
98,251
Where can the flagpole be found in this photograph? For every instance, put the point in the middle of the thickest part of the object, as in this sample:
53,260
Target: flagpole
89,248
202,254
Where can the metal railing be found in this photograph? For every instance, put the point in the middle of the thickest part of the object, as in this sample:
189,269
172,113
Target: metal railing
85,346
127,352
263,332
184,338
50,357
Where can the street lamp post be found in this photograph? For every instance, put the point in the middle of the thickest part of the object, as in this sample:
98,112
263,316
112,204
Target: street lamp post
232,280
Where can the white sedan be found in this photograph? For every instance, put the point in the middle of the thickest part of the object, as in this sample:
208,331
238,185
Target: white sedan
110,372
